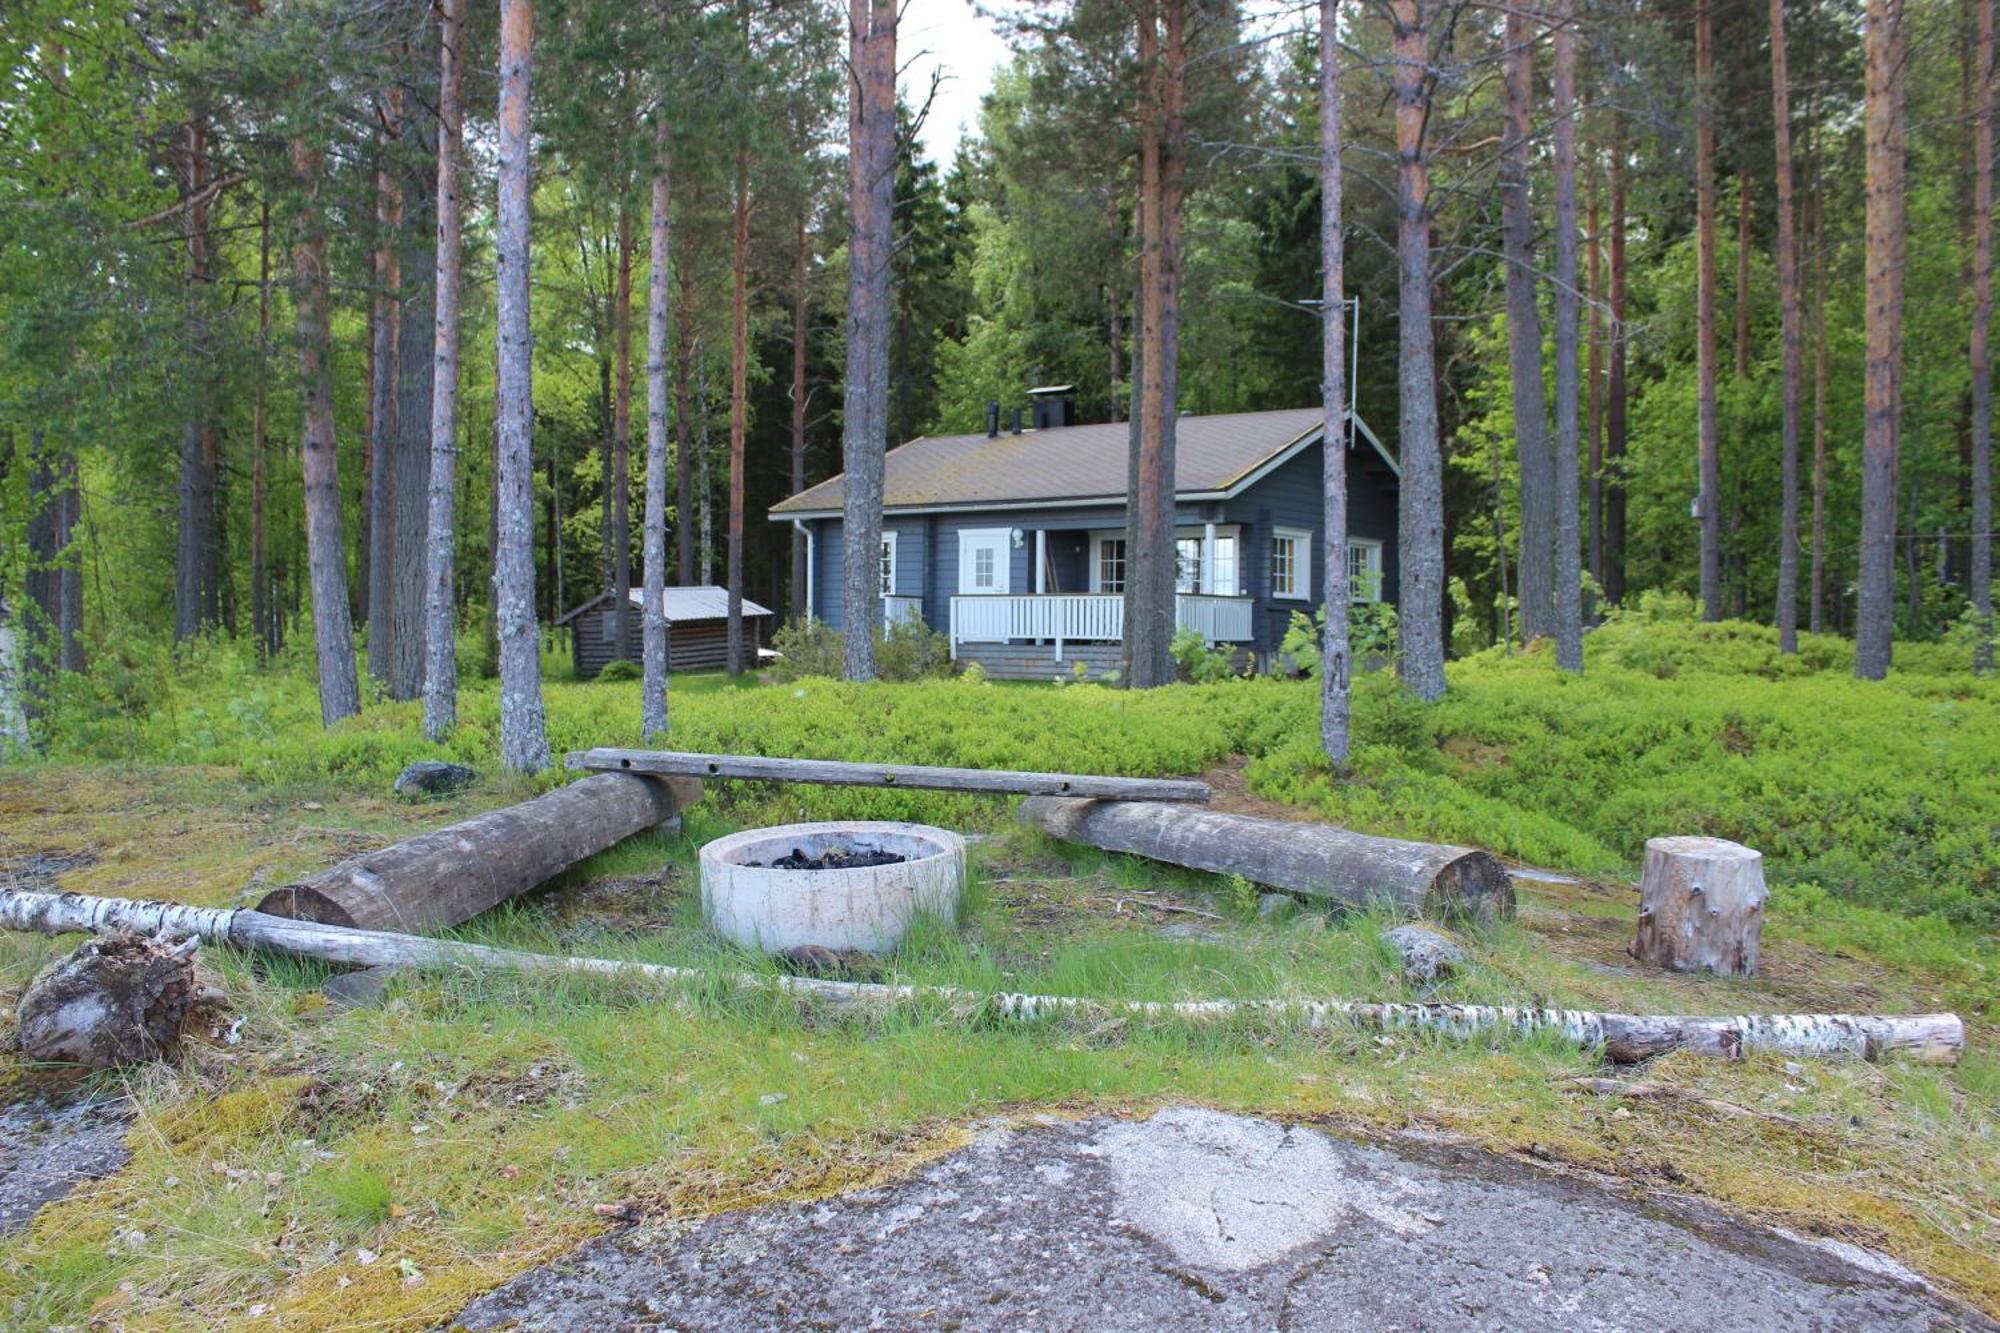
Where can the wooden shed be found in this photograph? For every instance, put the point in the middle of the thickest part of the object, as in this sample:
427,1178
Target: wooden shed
697,633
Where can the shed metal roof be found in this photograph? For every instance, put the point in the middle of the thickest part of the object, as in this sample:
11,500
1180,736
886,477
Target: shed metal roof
701,602
1214,456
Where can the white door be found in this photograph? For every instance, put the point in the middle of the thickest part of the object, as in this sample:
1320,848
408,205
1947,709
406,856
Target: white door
982,560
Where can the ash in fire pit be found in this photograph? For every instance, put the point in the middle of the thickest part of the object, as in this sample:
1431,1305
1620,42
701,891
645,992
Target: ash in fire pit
834,858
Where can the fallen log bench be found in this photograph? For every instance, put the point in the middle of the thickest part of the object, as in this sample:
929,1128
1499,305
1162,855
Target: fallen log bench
1623,1038
830,772
1318,860
452,874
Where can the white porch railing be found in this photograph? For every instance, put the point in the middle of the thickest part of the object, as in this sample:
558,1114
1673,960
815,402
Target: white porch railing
1087,617
1217,619
898,609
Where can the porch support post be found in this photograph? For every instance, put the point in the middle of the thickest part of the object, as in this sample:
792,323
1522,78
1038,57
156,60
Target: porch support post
1041,561
1207,557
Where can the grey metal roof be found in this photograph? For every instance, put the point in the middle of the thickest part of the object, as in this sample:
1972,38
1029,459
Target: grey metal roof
1070,464
703,602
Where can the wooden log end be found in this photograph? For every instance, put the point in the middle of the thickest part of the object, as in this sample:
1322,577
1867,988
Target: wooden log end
1471,887
304,902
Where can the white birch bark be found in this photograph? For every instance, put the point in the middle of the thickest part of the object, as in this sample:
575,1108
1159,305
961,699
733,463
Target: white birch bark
1926,1038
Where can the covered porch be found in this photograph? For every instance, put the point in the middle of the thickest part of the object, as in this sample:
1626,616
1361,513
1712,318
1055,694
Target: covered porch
1064,620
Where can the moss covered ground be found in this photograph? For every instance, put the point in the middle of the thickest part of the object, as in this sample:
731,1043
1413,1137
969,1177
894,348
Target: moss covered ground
375,1168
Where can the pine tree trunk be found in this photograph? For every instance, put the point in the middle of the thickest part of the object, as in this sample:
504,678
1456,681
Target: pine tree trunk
194,555
1743,275
1788,298
326,552
1980,555
410,471
1138,658
1882,33
1614,382
872,179
43,581
739,393
1420,499
1335,703
1817,609
524,744
621,434
653,694
683,417
1532,450
383,427
260,592
1707,427
1568,545
1594,395
440,683
797,601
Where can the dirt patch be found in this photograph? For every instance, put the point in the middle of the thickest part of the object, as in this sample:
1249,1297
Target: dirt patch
1475,754
1232,794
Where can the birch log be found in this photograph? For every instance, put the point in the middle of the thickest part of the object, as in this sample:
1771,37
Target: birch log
1701,906
453,874
1927,1038
1421,878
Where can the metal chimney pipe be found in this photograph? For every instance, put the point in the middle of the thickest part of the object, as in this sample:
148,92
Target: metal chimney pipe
993,419
1015,421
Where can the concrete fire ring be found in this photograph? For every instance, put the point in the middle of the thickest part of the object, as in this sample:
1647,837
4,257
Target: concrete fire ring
865,908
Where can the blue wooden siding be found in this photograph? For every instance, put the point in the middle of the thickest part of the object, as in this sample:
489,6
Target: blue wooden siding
927,545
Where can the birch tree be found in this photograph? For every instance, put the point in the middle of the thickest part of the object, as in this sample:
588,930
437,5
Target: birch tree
524,744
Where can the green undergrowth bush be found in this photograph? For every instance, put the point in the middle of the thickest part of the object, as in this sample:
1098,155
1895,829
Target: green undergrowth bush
1880,793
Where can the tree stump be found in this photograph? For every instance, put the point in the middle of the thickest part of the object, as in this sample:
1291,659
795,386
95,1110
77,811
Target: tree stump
1701,906
115,1001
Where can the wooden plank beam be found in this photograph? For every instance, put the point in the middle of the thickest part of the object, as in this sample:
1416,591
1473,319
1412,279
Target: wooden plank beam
828,772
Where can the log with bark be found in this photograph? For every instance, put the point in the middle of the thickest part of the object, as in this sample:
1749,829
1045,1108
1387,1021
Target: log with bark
1420,878
829,772
1927,1038
453,874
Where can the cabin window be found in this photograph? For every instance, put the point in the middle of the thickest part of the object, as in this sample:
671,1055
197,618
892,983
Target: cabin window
982,567
888,580
1291,564
1187,564
1364,570
1111,564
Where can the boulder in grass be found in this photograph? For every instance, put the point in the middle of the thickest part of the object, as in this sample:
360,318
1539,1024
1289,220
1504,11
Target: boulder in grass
119,1000
1425,955
433,777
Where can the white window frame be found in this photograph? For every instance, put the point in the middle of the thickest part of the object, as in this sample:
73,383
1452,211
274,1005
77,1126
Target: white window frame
1299,587
887,564
1364,575
1097,540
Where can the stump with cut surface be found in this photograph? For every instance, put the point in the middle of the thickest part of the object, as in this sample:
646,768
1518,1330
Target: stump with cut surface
1701,906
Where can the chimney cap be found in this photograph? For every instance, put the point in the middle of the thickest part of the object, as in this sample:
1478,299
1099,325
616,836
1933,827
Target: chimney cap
1046,389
